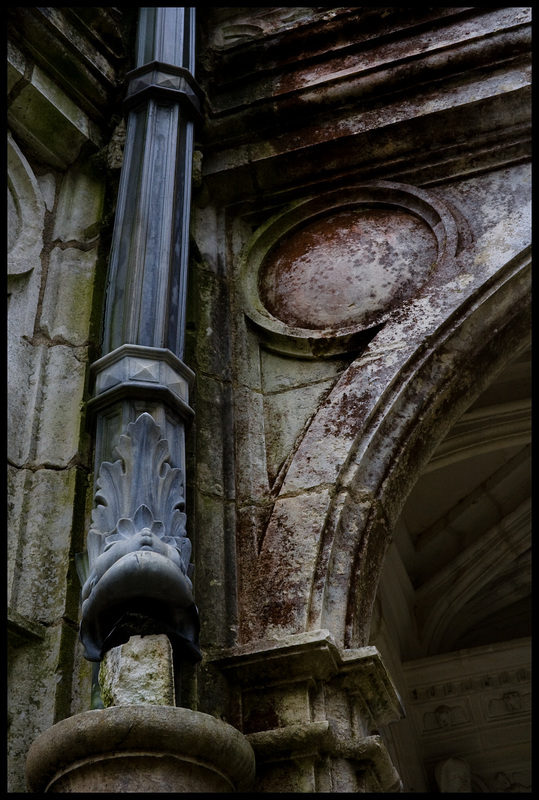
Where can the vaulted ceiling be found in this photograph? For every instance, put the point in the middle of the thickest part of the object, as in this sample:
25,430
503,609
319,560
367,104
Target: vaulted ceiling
454,600
464,536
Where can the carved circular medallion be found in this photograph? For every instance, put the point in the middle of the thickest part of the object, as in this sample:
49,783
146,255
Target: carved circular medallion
335,265
345,268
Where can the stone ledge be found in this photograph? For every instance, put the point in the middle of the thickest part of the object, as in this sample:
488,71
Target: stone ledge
22,630
322,739
315,656
49,122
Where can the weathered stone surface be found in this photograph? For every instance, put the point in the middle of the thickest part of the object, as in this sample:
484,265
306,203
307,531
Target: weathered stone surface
162,748
49,122
26,210
68,297
252,480
303,697
302,106
42,533
286,416
63,381
347,267
87,50
279,608
322,131
80,206
33,698
25,371
47,184
214,467
138,672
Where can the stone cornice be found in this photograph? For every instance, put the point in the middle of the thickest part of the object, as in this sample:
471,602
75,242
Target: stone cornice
315,656
85,51
392,61
425,102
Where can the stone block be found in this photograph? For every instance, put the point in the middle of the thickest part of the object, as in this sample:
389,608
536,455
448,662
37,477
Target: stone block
63,387
67,302
281,372
16,479
80,206
252,477
31,698
138,672
286,416
47,184
276,597
41,539
25,369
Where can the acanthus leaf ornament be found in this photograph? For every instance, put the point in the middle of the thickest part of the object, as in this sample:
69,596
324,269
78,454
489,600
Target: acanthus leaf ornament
138,572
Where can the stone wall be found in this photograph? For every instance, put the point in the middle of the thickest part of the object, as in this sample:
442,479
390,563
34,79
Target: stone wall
359,279
60,175
360,276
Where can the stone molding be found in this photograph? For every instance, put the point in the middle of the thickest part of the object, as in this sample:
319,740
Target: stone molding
363,199
138,749
305,696
475,701
63,127
321,739
26,217
85,50
439,126
137,371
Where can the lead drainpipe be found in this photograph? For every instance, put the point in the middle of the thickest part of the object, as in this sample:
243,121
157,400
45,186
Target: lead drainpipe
136,572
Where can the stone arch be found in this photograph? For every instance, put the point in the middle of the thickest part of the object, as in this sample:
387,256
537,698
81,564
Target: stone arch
324,546
451,377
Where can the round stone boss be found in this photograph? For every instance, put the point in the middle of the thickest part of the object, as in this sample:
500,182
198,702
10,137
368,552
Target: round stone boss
334,265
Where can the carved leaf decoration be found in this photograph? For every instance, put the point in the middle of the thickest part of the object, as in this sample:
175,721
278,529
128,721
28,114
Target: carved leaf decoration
139,490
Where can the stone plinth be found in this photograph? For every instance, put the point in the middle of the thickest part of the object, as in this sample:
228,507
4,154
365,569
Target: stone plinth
140,749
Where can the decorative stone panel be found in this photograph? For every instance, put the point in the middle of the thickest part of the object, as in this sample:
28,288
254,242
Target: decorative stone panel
475,704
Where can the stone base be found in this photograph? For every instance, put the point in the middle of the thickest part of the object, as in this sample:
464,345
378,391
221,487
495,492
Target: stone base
140,749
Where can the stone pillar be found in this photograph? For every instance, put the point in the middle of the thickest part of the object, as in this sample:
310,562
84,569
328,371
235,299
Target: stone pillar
311,712
141,742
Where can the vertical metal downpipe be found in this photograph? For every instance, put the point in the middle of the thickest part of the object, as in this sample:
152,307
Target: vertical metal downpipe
136,573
